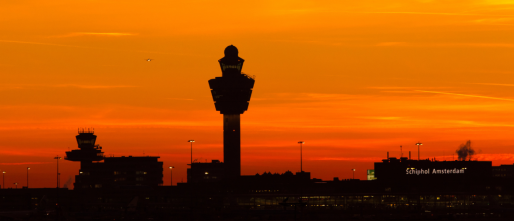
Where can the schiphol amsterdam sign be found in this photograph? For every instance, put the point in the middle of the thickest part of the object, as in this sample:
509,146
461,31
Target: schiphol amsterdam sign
414,171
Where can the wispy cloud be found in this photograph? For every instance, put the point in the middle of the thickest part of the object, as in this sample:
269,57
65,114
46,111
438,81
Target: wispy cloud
10,88
109,34
106,34
93,86
315,96
304,97
391,43
180,99
400,87
399,92
495,21
41,43
10,151
466,95
492,84
24,163
446,44
469,123
358,159
418,13
296,11
156,123
498,2
31,86
391,88
113,49
492,45
381,118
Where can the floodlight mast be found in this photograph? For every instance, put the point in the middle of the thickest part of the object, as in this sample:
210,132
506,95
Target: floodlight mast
191,141
171,175
58,158
28,168
3,179
301,156
419,144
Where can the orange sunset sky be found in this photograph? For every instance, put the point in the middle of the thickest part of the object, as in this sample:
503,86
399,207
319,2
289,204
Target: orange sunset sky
353,79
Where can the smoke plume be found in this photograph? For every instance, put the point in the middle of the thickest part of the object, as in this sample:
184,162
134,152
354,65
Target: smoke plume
465,151
68,183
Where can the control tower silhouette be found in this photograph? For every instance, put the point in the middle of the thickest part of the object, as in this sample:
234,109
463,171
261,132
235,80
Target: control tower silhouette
88,151
231,94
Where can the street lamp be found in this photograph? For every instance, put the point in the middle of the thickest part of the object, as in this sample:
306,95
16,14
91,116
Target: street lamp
171,175
191,141
301,156
28,168
419,144
353,170
3,180
57,158
16,184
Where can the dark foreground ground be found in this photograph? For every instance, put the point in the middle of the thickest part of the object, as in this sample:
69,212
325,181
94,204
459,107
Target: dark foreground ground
304,215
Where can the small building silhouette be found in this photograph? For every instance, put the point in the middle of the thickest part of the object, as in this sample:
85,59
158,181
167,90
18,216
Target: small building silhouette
113,172
205,172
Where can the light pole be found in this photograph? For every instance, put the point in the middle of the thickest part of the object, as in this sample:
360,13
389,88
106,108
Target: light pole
3,180
171,175
301,156
419,144
353,170
191,141
16,184
57,158
28,168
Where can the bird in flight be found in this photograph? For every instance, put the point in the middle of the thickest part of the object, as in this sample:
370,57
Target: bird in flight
149,59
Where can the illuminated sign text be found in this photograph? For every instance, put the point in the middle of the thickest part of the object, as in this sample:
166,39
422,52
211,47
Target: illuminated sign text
414,171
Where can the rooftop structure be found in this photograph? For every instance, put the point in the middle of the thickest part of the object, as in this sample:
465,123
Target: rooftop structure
113,172
427,171
88,151
205,172
120,172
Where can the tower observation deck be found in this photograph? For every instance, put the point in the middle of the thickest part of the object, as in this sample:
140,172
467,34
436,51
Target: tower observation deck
231,94
88,151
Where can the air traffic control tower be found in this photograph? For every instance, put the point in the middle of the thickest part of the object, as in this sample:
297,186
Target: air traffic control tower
88,151
231,94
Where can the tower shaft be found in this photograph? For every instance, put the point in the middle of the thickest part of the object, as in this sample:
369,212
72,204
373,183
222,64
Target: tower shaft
232,144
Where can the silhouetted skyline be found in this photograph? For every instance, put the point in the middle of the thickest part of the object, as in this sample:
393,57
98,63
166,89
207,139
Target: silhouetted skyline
353,80
395,187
